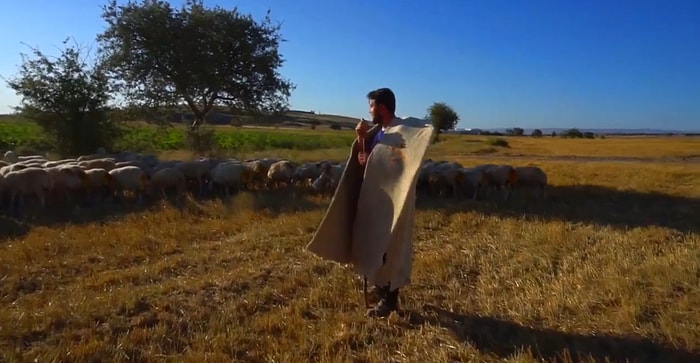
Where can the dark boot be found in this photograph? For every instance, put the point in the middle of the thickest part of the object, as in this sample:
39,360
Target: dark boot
388,302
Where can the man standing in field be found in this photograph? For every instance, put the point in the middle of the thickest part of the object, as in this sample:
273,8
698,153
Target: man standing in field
369,222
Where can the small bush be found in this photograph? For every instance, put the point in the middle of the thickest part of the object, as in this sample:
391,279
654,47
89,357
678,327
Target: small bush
497,141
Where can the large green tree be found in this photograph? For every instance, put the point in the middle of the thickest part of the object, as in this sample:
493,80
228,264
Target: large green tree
442,116
197,56
68,96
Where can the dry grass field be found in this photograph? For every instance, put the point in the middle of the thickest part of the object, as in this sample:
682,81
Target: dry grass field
606,268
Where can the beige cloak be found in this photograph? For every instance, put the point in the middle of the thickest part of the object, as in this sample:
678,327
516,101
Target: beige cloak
372,213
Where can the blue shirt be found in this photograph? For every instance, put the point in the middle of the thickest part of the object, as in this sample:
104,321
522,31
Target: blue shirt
375,140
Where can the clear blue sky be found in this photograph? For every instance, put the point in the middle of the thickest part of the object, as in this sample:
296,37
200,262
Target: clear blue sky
540,63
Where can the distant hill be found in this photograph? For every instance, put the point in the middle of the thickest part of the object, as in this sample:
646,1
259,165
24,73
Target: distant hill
610,131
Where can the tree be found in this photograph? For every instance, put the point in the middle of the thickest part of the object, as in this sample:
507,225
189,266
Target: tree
67,96
572,133
442,116
536,133
516,131
197,56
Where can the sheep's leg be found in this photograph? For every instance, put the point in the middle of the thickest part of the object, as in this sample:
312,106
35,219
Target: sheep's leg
68,196
236,188
179,197
13,203
118,195
290,188
42,199
506,192
21,204
18,203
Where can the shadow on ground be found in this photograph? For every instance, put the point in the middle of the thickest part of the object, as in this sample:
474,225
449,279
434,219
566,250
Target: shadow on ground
585,204
579,204
272,203
504,338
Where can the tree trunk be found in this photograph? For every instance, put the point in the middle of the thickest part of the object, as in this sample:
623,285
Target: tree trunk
437,136
198,119
199,116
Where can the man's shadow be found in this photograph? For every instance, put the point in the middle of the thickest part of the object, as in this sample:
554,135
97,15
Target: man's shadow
505,338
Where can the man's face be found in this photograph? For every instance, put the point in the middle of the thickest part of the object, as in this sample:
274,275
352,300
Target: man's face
376,112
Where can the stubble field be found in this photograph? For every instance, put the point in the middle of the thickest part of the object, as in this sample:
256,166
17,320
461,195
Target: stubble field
608,267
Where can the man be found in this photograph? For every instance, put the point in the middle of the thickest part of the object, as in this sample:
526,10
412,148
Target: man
382,108
369,222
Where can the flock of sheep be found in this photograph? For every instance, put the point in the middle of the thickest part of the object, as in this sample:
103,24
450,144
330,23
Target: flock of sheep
101,176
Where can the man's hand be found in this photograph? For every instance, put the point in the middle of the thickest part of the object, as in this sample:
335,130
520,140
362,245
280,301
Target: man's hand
362,158
362,128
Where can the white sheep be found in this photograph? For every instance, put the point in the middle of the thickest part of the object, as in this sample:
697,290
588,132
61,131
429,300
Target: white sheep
280,172
230,175
329,179
90,157
66,180
259,172
323,184
12,167
445,176
150,160
483,167
98,181
169,178
198,170
103,163
145,167
2,190
10,156
533,177
307,172
165,164
31,157
130,178
474,179
24,182
51,164
501,178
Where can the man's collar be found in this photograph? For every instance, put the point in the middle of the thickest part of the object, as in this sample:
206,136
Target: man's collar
393,122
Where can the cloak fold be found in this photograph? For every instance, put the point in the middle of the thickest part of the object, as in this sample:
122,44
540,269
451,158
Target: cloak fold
372,210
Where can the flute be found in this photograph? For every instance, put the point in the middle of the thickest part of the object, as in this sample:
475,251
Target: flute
361,131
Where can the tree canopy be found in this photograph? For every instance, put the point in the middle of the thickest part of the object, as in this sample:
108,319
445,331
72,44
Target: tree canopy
442,116
197,56
67,96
